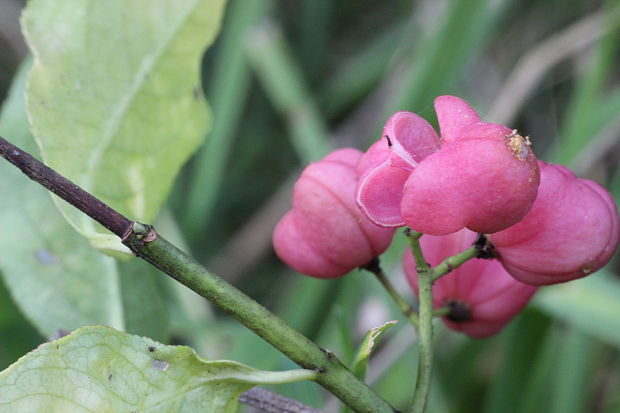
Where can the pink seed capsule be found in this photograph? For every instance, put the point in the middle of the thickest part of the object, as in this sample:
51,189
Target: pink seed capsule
481,295
571,231
485,180
325,235
482,176
384,168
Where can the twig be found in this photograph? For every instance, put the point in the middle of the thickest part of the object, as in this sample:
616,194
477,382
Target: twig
453,262
146,243
120,225
270,402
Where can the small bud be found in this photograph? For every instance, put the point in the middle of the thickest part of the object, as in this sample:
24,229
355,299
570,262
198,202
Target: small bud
481,296
325,235
571,231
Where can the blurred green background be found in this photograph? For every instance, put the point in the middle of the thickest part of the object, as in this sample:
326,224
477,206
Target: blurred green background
287,81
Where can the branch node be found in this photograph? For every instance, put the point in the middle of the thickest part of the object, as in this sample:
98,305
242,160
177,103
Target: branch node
151,235
373,265
484,248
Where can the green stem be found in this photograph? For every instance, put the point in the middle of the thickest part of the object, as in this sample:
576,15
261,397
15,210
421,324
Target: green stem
402,304
453,262
425,360
144,241
333,375
440,312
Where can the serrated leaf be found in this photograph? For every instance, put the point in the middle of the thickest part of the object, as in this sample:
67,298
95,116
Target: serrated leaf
99,369
114,97
56,278
368,344
591,304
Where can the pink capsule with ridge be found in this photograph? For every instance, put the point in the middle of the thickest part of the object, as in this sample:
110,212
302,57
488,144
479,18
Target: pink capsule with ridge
571,231
482,176
325,235
386,166
480,295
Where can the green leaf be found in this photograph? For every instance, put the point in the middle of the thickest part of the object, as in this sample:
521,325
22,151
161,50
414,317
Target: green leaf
56,278
590,304
98,369
368,344
115,99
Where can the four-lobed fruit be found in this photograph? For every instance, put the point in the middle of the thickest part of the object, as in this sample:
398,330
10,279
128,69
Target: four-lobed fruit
479,175
571,231
325,235
480,294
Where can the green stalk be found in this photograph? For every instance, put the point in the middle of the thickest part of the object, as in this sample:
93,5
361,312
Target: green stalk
334,376
144,241
402,304
453,262
440,312
425,360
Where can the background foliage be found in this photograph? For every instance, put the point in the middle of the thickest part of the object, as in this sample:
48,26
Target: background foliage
287,80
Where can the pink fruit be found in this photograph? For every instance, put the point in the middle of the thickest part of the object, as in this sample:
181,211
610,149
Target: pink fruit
325,235
482,296
385,167
571,231
484,176
477,182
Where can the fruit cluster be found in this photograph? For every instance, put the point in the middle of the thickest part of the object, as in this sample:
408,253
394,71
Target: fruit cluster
543,224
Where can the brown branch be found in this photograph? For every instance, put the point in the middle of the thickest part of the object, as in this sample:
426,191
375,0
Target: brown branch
120,225
270,402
